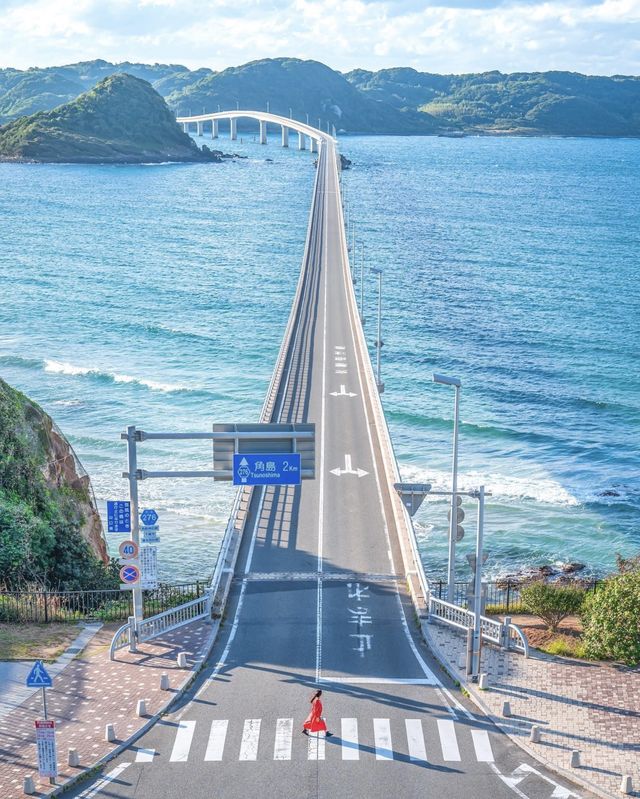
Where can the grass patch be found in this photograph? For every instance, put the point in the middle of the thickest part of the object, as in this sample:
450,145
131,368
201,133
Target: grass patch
565,647
35,641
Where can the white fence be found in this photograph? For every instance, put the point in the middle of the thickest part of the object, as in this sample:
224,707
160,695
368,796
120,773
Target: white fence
504,634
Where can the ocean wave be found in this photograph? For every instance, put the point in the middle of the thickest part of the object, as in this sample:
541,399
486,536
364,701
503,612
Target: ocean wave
64,368
534,488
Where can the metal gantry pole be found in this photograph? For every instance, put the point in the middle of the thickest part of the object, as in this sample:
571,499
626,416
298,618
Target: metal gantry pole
132,462
379,382
477,599
361,287
453,522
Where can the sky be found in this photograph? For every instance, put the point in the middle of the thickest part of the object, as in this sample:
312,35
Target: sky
591,36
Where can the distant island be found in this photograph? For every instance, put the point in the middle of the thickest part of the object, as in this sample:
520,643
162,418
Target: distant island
398,101
121,120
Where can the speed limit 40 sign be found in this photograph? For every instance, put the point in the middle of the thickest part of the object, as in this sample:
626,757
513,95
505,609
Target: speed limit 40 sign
128,550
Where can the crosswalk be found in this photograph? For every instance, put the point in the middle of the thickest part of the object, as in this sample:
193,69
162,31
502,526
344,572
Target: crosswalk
417,740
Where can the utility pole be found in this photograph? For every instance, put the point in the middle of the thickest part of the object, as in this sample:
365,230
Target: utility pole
132,468
477,599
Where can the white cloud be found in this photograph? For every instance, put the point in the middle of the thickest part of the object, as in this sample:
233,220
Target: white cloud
452,36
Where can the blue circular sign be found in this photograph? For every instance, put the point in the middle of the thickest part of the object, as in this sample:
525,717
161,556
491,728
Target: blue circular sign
149,517
130,574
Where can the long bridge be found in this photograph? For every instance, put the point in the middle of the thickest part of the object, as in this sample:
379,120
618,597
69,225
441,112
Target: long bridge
322,587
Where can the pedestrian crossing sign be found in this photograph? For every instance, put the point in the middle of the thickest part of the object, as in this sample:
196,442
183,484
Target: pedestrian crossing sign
39,677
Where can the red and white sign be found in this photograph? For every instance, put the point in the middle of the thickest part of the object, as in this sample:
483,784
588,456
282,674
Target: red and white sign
128,550
46,745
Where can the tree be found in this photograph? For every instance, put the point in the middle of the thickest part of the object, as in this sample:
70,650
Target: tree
551,603
611,619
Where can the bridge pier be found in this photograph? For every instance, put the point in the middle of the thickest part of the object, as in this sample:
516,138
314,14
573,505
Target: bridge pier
214,128
233,129
313,145
200,128
285,136
263,132
302,142
185,127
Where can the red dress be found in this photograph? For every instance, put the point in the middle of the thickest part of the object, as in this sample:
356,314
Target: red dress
315,722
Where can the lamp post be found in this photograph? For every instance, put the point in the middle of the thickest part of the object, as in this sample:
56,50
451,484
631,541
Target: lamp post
237,105
379,382
290,114
267,106
361,286
453,521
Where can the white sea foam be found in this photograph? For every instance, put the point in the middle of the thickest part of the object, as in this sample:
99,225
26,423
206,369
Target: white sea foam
61,367
537,487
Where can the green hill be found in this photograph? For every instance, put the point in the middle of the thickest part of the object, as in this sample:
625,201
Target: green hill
50,531
121,120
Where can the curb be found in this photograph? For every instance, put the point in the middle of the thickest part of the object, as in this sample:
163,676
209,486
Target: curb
475,697
189,679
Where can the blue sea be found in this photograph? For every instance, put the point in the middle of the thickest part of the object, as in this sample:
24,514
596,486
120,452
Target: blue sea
158,295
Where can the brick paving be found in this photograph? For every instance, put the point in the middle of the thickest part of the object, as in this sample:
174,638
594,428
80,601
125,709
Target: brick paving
590,707
91,692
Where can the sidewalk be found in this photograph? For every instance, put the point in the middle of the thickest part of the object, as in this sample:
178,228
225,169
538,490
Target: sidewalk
578,705
91,692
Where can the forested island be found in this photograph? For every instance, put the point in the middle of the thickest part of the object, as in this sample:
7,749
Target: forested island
399,101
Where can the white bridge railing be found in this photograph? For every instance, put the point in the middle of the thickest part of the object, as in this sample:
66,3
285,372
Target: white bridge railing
504,634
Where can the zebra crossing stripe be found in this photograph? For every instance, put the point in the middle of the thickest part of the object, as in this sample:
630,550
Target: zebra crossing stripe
448,740
284,739
349,738
415,740
316,746
182,744
482,745
382,738
144,755
217,737
250,740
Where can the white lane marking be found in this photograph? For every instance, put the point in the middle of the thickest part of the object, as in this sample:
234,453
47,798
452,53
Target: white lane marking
217,737
348,468
144,755
341,371
284,739
415,740
349,738
182,743
509,782
250,740
89,793
339,347
482,745
379,680
343,392
382,738
316,746
524,769
448,740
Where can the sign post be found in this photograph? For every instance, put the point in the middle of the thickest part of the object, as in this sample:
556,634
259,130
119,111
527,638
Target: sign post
132,474
39,677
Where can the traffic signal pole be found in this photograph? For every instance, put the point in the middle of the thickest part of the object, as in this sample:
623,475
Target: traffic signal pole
132,463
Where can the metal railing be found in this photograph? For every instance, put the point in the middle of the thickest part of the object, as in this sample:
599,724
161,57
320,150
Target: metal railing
172,619
502,596
121,639
42,607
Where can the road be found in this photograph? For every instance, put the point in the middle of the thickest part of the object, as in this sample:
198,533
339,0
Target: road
319,599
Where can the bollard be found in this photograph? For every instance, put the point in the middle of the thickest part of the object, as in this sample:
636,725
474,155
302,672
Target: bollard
625,785
28,787
483,682
73,758
182,660
506,709
164,682
109,732
534,734
575,759
141,709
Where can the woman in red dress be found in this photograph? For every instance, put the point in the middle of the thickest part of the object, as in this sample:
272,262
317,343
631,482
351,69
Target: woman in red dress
315,722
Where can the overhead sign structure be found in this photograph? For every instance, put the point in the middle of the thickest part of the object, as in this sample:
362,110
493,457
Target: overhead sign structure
130,576
149,517
46,746
149,567
128,550
272,468
118,516
39,677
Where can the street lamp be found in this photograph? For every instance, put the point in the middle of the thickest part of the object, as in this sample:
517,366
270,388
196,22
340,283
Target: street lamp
290,114
379,382
237,105
453,520
361,285
267,106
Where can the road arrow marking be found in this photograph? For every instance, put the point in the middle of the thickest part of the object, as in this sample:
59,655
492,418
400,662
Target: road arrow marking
348,468
343,393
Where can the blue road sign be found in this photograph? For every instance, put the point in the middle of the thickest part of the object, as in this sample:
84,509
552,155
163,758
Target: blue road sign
149,517
130,574
119,516
263,469
39,677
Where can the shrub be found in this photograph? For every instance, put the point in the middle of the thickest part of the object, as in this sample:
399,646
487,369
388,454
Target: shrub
611,619
551,603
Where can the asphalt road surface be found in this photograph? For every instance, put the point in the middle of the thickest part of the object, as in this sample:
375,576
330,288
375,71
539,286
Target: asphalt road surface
319,600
